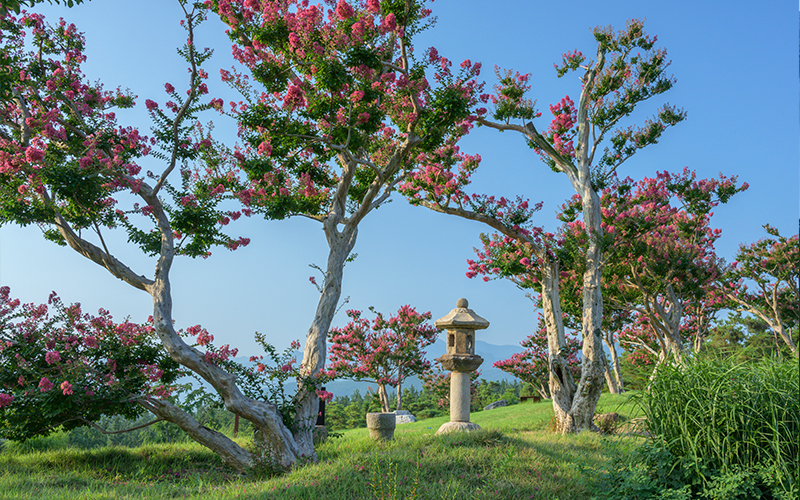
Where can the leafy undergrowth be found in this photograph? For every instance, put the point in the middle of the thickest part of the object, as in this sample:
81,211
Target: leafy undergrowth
513,456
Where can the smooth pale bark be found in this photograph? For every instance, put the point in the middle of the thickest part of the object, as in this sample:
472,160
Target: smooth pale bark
610,382
666,322
383,397
267,421
231,453
593,363
263,415
773,319
340,243
562,385
543,390
612,348
399,405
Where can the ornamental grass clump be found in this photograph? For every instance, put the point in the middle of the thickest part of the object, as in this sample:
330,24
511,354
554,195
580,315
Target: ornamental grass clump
719,417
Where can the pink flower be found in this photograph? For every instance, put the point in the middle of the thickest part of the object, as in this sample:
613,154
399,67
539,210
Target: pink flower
52,357
373,6
45,384
265,148
33,155
344,10
169,88
389,23
66,388
294,97
324,395
90,342
5,399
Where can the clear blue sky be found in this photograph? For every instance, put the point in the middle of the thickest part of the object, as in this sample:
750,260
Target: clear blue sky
737,69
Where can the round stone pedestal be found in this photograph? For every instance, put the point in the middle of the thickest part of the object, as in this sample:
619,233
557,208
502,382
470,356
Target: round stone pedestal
381,425
457,427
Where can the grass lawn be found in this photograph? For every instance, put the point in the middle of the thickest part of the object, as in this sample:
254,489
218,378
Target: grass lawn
514,456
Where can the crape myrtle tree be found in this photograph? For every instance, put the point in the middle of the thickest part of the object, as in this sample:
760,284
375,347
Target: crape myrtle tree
337,111
347,107
531,365
627,71
574,262
381,351
661,267
532,259
770,266
503,257
67,166
63,368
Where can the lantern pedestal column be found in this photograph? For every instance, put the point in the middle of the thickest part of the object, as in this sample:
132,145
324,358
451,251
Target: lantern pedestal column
461,361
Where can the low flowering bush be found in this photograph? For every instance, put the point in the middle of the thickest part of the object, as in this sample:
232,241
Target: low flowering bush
266,378
382,351
62,367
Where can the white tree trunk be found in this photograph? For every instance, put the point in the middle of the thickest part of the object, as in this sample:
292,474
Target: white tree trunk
562,386
615,362
340,243
610,382
593,364
399,405
384,398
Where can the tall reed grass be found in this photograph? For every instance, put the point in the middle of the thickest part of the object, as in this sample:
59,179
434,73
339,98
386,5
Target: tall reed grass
720,416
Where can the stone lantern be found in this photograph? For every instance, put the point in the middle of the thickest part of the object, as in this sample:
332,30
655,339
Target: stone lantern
460,360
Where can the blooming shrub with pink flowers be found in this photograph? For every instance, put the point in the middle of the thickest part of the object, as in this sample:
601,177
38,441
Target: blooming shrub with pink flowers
61,367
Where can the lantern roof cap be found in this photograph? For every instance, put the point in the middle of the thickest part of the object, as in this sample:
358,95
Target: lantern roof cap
462,317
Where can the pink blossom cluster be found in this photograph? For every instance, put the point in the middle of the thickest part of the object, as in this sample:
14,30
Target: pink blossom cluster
533,364
561,130
383,351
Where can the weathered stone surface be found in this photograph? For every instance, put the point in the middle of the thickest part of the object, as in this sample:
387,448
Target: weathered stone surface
404,417
460,362
381,425
607,417
462,316
457,427
496,404
607,423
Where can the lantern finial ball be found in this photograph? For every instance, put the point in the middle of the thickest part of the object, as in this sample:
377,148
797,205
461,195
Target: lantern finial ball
462,303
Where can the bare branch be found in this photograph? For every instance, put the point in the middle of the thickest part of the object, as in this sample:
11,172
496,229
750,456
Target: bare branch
93,253
182,111
123,430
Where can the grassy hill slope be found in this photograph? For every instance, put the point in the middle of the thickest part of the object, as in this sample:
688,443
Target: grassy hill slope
514,456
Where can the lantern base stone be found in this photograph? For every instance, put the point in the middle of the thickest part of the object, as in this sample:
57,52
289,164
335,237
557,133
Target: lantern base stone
448,427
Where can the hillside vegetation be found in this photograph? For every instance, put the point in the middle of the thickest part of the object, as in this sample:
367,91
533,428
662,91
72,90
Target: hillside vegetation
514,456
